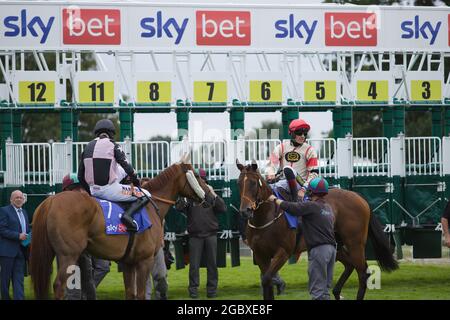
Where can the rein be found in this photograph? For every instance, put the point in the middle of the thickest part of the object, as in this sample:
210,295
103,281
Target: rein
256,204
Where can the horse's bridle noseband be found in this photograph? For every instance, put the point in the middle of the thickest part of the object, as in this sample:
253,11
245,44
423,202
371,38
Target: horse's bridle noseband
254,204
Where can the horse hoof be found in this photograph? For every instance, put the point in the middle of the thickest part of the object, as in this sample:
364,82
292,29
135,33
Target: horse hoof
341,297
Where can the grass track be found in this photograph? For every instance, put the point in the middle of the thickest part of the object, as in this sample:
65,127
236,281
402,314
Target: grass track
416,281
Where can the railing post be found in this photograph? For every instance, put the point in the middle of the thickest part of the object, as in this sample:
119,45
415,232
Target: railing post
69,153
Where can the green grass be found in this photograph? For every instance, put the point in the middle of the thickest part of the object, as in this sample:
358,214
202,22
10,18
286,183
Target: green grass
416,281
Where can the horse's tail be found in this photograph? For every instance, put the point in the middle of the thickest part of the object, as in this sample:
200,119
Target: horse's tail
42,253
380,244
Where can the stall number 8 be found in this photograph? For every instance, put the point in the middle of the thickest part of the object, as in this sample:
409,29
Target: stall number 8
154,91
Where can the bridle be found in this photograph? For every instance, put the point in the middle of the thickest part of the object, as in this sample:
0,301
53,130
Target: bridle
255,204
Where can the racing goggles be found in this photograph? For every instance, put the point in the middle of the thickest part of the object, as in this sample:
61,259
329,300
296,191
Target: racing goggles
301,132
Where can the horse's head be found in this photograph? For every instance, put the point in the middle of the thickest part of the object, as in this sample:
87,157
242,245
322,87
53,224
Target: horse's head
191,185
251,186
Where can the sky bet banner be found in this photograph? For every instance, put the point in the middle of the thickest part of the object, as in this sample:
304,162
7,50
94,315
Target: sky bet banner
222,28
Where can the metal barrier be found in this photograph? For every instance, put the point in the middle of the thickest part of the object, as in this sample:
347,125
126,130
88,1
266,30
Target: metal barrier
371,157
150,158
208,155
326,154
28,163
423,156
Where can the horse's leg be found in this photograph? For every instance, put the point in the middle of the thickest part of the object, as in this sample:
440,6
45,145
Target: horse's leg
60,283
266,282
143,270
129,279
275,265
343,257
357,257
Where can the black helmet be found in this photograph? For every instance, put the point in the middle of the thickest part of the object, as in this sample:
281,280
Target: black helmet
104,125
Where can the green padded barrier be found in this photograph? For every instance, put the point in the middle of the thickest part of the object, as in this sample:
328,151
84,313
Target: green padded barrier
427,242
421,193
373,189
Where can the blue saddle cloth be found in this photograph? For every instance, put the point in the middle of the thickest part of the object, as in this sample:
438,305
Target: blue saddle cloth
113,212
291,220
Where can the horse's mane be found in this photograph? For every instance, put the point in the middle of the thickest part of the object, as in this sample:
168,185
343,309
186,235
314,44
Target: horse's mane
161,180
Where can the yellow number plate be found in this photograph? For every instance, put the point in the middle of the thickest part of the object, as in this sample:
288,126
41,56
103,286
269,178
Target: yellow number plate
96,91
320,91
210,91
154,91
266,91
42,92
424,90
372,90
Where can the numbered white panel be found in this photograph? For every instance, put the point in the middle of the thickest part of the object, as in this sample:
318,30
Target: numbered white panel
373,86
210,87
153,87
425,86
96,87
265,87
320,87
36,87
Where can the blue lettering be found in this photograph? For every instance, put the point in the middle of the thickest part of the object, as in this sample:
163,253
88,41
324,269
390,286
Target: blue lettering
35,26
161,27
299,29
406,27
414,29
279,25
146,25
9,24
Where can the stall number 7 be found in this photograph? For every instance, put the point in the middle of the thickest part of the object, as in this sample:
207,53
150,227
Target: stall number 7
210,91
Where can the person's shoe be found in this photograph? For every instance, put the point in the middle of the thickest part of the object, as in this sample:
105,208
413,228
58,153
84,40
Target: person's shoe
127,216
289,174
193,295
212,295
281,287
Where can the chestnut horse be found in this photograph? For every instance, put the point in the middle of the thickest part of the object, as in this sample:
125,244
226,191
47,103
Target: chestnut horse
273,242
70,222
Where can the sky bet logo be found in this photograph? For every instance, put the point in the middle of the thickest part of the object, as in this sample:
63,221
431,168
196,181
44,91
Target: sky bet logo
291,29
415,29
160,26
91,26
350,29
222,28
23,25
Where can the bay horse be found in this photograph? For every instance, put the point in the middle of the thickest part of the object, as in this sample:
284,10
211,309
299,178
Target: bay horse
273,242
66,224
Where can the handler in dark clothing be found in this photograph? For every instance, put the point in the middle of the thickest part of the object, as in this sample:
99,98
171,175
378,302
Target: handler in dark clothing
202,226
318,222
444,221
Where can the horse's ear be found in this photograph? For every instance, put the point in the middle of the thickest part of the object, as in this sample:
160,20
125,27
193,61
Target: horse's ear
254,165
186,158
239,165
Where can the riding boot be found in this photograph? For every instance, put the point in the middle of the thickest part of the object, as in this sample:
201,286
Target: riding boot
127,216
292,182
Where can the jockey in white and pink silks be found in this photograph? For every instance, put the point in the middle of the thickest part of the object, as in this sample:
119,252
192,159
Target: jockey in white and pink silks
297,158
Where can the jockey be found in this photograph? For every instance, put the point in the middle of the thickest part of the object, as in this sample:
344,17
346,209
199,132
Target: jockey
297,158
103,165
